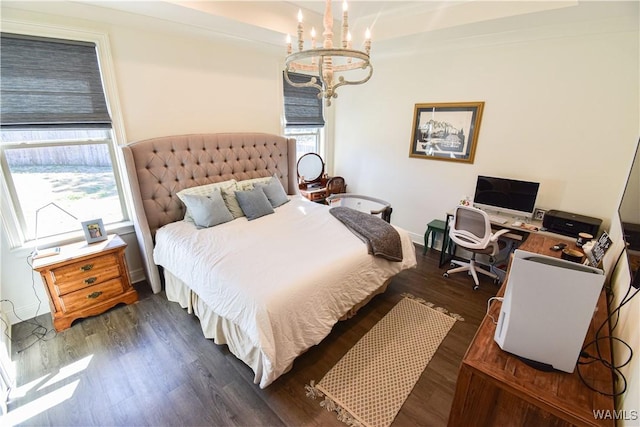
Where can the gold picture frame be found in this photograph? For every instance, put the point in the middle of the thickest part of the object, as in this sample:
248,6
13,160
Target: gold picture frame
446,131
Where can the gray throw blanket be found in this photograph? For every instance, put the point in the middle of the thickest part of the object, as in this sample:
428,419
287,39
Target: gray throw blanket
381,238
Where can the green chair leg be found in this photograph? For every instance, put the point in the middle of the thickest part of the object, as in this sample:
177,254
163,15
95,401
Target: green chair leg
433,228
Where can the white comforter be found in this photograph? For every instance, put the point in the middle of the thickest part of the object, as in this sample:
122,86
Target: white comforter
285,279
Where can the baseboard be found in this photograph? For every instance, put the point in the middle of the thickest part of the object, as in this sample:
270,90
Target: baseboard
32,310
26,312
419,240
137,275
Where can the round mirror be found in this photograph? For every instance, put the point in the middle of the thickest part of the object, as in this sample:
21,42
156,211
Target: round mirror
310,167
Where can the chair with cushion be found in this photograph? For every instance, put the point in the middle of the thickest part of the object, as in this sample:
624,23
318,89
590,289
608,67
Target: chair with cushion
470,228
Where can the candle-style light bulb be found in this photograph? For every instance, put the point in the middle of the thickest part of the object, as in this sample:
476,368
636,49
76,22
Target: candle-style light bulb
345,23
313,44
367,41
300,39
288,44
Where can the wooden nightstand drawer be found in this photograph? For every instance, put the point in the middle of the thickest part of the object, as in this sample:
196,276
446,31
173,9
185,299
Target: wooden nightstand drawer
91,295
84,280
317,196
85,273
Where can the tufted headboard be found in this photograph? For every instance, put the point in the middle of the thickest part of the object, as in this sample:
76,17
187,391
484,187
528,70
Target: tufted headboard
160,167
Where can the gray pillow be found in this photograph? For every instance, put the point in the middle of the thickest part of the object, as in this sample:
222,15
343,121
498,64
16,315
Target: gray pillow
207,211
274,192
254,203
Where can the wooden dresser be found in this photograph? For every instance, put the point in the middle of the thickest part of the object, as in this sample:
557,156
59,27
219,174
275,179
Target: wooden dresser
495,388
85,280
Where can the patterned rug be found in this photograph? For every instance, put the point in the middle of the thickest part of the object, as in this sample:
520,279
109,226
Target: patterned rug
368,386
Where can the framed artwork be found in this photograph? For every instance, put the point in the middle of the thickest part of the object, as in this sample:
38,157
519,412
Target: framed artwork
538,214
446,131
94,230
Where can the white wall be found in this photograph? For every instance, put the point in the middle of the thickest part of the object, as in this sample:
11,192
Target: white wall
563,112
171,85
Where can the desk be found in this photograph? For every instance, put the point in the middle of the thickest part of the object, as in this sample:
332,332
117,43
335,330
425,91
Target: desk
519,234
495,388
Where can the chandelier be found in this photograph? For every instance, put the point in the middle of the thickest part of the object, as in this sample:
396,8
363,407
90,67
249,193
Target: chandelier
327,63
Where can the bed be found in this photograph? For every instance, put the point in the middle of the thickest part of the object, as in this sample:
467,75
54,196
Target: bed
269,288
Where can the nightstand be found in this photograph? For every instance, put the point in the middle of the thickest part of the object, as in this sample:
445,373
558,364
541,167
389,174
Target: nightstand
85,280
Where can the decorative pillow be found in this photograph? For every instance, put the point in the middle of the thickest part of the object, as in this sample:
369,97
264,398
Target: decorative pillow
204,190
254,203
248,184
274,192
229,196
207,211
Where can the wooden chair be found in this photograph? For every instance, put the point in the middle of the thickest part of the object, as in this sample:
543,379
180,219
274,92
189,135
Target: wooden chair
336,185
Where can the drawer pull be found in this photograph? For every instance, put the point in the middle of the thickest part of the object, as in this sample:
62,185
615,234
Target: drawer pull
94,294
90,280
86,267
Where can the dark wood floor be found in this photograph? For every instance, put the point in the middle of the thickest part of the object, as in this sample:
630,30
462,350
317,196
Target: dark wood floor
148,364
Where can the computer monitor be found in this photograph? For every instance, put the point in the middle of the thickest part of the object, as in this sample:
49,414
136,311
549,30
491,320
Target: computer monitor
508,196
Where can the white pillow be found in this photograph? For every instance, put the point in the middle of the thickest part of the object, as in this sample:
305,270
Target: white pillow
229,196
247,184
205,190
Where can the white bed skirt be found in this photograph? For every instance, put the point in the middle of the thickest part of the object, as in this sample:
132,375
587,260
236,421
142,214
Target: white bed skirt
222,331
215,327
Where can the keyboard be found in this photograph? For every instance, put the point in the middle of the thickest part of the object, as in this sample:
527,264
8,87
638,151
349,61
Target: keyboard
498,219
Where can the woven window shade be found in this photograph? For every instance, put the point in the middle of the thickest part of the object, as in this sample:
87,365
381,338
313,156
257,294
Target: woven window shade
302,107
50,83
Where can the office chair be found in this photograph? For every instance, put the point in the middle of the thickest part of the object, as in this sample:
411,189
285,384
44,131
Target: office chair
471,229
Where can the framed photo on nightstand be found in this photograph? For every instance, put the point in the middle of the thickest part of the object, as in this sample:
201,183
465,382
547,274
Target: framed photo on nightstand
94,230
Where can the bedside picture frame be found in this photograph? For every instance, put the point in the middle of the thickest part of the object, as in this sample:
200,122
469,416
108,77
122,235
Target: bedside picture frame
446,131
538,214
94,230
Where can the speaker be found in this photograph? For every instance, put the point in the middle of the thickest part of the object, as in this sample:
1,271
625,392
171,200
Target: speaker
570,224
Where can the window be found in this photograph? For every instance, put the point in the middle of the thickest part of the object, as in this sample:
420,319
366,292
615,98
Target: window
57,149
303,114
308,140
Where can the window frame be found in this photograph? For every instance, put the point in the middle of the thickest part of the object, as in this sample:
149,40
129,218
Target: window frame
318,131
17,208
10,219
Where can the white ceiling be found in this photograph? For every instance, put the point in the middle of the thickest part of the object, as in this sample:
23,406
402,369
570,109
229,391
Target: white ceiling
387,19
394,24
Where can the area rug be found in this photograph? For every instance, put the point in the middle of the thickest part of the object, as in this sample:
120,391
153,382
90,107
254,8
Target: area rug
368,386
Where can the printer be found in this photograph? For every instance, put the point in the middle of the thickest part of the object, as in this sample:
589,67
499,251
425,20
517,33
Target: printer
570,224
